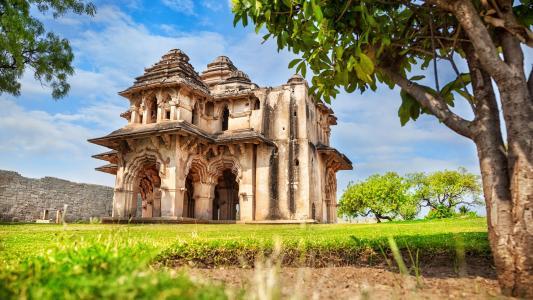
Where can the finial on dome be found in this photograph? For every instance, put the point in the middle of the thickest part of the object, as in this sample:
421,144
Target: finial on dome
296,78
238,75
175,54
222,59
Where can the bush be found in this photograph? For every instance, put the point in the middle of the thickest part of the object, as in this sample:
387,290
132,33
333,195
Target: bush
440,212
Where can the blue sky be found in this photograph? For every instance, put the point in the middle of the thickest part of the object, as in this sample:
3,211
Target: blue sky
42,137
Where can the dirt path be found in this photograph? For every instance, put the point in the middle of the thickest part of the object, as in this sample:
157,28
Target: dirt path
359,283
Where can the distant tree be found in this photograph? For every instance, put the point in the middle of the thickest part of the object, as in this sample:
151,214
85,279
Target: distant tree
385,197
355,44
445,190
24,43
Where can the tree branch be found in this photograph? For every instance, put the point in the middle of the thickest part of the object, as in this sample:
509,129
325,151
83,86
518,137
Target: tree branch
478,34
512,52
530,84
434,104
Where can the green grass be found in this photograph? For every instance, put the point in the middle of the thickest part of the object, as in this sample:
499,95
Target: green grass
128,261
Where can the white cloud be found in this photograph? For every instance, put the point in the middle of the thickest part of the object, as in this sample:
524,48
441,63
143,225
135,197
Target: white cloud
214,5
181,6
115,49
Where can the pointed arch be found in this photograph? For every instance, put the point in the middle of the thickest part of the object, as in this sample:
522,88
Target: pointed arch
223,162
197,167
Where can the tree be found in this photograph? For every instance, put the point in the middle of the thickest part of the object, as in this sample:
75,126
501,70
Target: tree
356,44
24,43
446,189
383,196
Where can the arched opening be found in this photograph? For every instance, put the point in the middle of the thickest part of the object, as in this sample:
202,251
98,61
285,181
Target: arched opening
152,110
313,211
226,201
148,187
331,190
194,117
257,105
189,202
209,109
225,118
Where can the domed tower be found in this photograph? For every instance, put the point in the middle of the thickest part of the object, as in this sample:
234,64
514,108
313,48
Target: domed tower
155,96
218,71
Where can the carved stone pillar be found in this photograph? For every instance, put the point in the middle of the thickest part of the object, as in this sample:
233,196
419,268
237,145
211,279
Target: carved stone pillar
134,114
146,114
204,194
121,203
173,110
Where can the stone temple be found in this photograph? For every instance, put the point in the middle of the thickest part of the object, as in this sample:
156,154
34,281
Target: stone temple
216,147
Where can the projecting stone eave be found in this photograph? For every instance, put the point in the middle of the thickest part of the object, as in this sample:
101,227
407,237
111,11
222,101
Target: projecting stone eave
171,82
110,156
234,94
344,163
109,168
115,139
243,136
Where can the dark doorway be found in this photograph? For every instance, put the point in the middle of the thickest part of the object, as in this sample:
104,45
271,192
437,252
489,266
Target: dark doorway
153,111
189,203
149,190
225,118
194,118
226,202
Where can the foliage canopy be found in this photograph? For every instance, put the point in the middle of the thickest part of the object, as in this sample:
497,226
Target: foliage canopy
382,196
390,196
447,189
25,43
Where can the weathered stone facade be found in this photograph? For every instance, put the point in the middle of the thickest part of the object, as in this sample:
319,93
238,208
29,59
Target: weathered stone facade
24,199
218,147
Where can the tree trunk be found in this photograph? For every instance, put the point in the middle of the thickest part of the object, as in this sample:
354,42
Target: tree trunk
507,210
518,114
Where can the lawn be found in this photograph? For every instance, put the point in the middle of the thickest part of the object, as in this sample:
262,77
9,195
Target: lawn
86,260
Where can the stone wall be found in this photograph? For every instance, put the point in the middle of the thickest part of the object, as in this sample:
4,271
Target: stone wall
24,199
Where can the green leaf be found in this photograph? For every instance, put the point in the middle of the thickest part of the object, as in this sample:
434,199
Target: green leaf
258,27
351,63
294,62
350,88
317,11
236,19
408,109
366,63
339,50
417,77
244,19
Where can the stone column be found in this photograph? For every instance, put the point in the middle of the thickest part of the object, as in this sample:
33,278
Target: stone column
120,203
246,184
168,189
146,115
204,193
160,114
173,111
134,115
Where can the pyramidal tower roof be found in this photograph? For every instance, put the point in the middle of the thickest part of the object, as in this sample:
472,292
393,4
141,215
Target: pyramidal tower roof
218,71
173,69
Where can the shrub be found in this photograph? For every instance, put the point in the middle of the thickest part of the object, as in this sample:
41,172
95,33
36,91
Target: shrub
440,212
